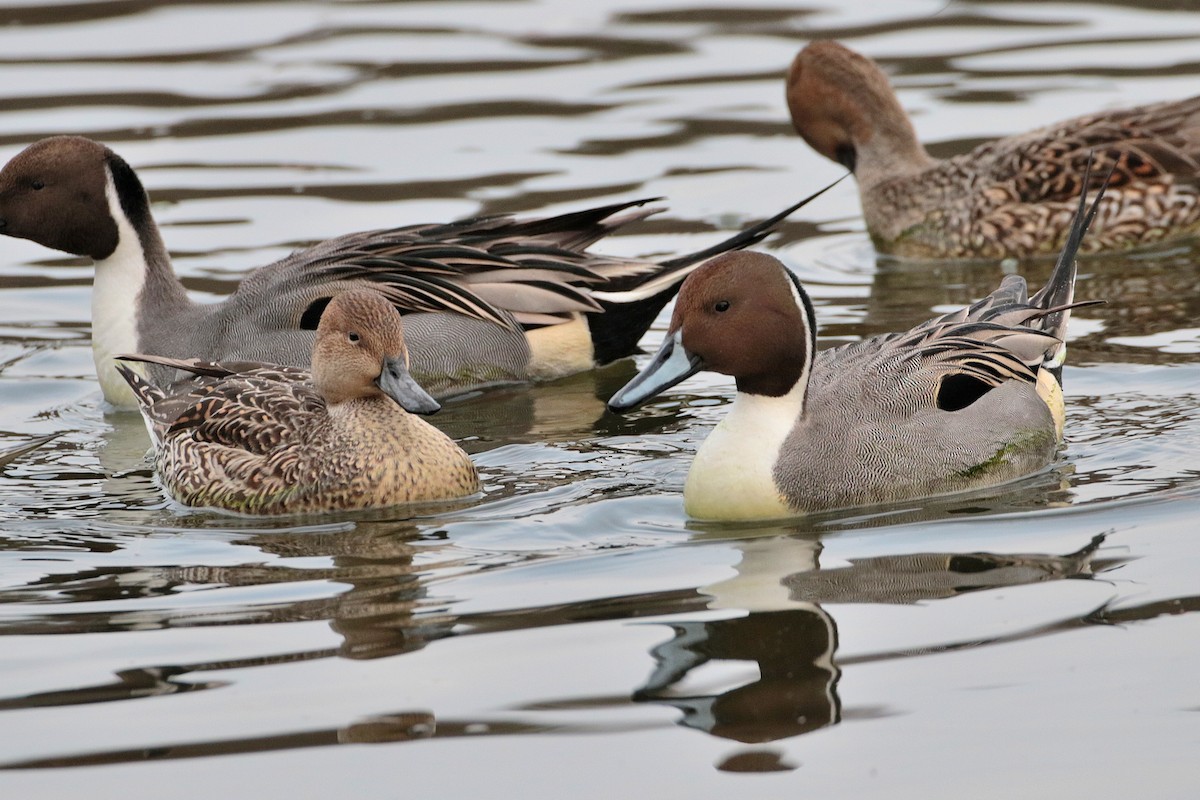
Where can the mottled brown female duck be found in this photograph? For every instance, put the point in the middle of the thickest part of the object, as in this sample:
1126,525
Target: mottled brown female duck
1010,197
487,301
262,439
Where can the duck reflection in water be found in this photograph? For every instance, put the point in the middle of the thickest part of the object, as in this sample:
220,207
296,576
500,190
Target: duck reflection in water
793,640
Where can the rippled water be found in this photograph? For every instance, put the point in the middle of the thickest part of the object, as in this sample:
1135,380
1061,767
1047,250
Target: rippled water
572,634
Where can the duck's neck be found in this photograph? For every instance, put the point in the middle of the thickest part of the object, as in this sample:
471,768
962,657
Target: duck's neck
732,476
892,150
133,285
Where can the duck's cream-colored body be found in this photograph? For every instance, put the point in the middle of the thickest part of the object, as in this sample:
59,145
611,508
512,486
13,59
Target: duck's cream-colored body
1011,197
261,439
964,401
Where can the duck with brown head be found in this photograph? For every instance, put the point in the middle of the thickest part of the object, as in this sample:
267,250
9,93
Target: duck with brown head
262,439
1011,197
487,301
967,400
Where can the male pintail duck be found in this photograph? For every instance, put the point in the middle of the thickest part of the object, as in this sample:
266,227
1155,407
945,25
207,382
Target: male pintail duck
1011,197
488,300
263,439
966,400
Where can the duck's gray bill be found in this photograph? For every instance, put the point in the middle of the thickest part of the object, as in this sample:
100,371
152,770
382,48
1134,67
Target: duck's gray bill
670,365
397,383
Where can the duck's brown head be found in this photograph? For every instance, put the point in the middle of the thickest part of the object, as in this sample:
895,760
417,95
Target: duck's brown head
360,353
843,105
54,192
742,314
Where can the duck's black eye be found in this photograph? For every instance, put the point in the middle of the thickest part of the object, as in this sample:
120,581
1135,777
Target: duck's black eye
721,306
38,186
353,337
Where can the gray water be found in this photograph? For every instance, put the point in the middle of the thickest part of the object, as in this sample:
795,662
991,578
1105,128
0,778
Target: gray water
571,634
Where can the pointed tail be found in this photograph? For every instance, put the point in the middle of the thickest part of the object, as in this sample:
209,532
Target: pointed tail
1059,291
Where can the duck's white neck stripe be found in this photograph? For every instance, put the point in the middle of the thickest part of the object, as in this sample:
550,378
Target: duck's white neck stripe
119,280
810,340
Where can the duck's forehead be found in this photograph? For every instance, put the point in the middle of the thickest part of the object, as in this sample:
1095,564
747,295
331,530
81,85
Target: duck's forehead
368,310
72,152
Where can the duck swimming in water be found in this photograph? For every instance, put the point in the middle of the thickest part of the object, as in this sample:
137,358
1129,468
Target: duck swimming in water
487,301
1011,197
966,400
263,439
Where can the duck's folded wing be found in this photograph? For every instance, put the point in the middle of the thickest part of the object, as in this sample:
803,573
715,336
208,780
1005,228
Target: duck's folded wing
218,369
255,412
1153,144
942,364
242,405
496,269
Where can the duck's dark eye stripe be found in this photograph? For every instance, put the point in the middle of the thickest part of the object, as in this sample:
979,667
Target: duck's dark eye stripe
722,305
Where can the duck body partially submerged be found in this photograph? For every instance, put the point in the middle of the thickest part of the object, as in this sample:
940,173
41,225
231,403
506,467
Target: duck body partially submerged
1012,197
967,400
264,439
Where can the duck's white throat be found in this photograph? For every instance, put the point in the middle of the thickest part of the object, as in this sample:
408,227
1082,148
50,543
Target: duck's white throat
732,476
118,282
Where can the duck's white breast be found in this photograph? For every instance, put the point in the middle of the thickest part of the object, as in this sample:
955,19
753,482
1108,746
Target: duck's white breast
732,475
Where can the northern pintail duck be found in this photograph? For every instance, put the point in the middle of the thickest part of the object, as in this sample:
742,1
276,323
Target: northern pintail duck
488,300
263,439
967,400
1011,197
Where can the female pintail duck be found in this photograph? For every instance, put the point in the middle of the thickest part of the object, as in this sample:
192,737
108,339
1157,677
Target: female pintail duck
967,400
489,300
262,439
1010,197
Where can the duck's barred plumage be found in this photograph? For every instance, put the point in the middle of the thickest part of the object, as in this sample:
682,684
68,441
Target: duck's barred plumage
1017,196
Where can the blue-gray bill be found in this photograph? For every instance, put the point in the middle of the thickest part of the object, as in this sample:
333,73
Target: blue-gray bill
398,383
670,365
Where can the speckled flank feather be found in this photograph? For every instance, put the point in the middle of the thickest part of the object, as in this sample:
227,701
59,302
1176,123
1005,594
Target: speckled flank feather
261,439
956,403
472,289
1011,197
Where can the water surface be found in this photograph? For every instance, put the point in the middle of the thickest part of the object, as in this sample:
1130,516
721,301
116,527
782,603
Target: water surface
571,633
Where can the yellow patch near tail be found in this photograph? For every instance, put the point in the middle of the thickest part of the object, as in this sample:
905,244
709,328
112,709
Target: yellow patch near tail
558,350
1051,393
